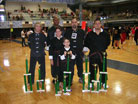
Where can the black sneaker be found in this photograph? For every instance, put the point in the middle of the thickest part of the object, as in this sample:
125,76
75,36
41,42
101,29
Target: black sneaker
118,48
53,81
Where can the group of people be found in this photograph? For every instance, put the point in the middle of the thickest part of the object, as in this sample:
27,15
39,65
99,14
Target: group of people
72,44
120,34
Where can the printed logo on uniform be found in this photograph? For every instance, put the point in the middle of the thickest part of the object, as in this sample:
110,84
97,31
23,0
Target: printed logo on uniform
54,34
74,35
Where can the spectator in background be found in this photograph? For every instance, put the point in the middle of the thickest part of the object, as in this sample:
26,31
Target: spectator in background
127,32
29,32
133,31
21,17
17,18
13,18
123,36
9,15
23,37
116,36
136,36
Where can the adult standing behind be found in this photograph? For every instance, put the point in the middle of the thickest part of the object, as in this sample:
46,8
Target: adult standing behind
97,41
51,35
52,30
37,42
76,37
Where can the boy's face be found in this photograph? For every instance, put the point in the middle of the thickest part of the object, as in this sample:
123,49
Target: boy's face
97,24
66,43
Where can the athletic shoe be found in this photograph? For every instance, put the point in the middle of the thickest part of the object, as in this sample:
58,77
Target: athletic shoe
53,81
106,86
90,85
118,48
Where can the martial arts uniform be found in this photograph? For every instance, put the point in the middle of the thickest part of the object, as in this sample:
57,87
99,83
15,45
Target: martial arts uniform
97,45
54,51
77,42
51,35
37,43
63,63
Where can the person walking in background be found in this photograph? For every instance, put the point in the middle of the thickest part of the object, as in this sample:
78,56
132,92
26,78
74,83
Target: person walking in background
23,37
116,36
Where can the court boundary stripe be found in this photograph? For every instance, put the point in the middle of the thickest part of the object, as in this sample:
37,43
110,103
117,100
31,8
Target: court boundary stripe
123,66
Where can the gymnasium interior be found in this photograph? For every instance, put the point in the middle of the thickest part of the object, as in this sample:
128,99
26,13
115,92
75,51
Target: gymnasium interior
122,63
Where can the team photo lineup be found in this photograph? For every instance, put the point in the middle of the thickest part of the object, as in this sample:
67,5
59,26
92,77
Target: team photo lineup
68,51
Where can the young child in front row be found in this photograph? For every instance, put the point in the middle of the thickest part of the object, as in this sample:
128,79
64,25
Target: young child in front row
65,52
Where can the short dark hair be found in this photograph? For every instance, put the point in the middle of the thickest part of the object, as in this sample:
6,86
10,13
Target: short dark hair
66,39
58,27
97,19
74,18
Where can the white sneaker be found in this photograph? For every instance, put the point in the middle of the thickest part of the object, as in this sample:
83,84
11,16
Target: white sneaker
106,86
90,85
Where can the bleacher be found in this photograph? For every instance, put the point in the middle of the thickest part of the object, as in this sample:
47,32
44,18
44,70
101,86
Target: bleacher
39,11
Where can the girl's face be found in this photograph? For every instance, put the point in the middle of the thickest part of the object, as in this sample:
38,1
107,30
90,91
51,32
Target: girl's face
66,43
58,33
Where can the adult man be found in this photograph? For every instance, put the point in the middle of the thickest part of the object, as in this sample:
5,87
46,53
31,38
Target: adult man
37,42
97,41
76,37
52,30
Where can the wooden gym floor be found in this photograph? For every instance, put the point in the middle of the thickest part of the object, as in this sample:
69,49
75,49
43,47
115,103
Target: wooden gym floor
123,86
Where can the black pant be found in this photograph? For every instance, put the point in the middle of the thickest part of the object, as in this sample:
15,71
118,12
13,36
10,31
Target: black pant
56,67
79,62
41,61
96,59
63,67
23,42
